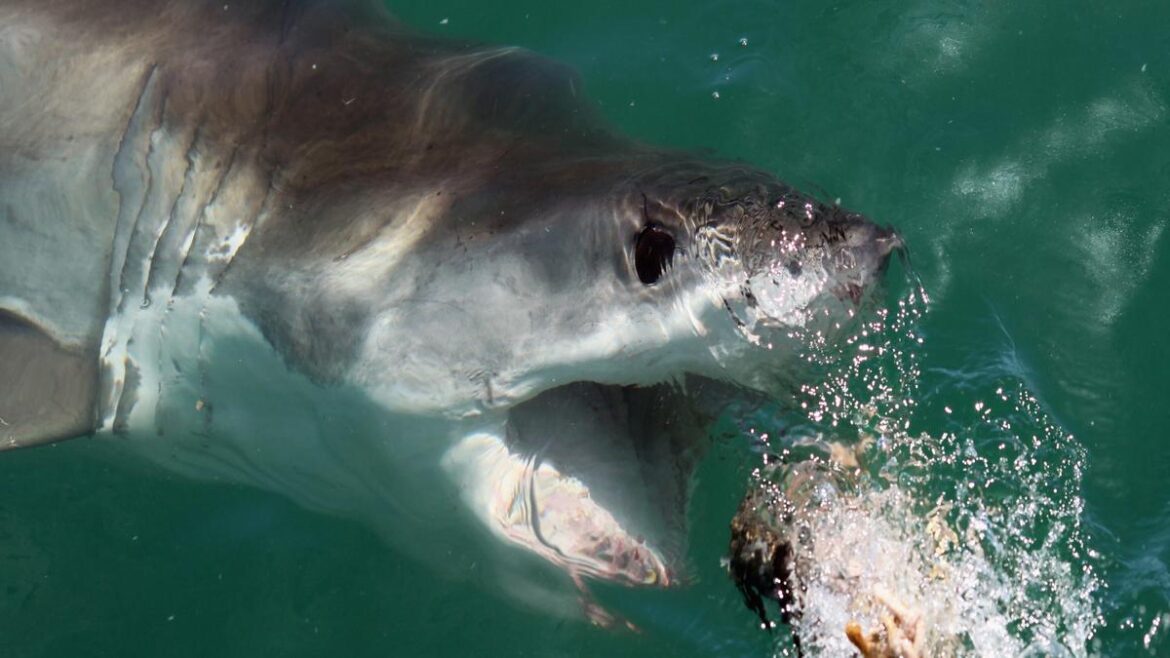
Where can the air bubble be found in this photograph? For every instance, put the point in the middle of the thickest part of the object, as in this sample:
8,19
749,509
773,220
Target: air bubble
993,567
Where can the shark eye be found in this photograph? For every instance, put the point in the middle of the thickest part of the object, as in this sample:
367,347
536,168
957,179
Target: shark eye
653,253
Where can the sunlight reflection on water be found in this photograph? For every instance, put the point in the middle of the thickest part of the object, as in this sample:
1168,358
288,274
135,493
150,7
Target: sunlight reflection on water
964,502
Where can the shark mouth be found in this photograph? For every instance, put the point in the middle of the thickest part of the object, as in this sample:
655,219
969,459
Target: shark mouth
555,516
595,478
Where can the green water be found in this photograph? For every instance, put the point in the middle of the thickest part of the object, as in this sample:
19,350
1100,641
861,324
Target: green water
1023,149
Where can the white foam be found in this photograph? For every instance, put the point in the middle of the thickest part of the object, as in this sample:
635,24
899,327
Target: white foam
997,187
977,528
1118,256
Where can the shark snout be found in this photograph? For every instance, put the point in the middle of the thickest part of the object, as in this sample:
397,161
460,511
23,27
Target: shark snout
869,245
860,256
887,240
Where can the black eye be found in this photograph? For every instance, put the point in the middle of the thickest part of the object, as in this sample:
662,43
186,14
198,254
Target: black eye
653,253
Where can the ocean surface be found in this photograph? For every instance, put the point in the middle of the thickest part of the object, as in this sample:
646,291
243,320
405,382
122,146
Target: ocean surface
1023,151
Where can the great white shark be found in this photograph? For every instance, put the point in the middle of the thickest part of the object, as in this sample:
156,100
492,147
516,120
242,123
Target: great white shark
296,245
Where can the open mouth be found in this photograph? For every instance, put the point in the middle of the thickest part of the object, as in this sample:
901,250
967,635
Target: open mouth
603,483
556,516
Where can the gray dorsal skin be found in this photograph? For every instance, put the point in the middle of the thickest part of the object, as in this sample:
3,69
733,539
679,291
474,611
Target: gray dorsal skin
298,106
291,108
295,245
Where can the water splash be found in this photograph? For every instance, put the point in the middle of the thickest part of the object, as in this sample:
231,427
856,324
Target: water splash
962,504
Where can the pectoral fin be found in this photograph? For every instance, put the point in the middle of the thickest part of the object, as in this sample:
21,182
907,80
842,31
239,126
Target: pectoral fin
47,392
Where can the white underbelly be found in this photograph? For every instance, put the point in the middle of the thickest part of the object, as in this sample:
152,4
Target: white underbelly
213,400
205,395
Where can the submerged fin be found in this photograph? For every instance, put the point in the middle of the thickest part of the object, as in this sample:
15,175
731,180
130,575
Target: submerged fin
47,392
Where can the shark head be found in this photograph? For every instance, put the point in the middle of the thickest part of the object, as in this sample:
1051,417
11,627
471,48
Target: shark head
631,317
